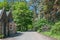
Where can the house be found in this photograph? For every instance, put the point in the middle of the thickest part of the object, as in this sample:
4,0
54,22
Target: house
12,25
3,22
7,25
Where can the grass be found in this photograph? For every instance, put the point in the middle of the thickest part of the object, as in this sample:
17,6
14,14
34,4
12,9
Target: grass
51,35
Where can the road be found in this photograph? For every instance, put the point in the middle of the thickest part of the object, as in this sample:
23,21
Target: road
29,36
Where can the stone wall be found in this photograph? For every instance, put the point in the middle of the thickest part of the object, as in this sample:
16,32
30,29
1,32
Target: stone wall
12,28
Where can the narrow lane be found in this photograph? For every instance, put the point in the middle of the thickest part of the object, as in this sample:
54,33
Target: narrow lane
29,36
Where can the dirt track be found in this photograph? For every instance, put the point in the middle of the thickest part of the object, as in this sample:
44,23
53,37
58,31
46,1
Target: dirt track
29,36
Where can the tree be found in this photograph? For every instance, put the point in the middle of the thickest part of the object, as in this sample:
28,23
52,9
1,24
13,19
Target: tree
4,4
22,16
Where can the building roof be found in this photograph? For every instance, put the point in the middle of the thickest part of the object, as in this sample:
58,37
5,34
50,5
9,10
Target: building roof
1,12
4,11
8,12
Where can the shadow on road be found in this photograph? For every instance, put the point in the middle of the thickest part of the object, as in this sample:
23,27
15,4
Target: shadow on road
15,35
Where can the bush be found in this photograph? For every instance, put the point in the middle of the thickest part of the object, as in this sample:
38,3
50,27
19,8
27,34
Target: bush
56,28
41,24
1,35
30,27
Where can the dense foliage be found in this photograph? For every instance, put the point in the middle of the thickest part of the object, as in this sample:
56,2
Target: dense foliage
22,16
49,10
40,23
56,28
4,4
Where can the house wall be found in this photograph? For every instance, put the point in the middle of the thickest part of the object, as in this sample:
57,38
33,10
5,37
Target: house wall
7,29
12,25
0,28
12,28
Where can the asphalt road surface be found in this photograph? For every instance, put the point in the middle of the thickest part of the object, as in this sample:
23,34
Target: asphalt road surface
28,36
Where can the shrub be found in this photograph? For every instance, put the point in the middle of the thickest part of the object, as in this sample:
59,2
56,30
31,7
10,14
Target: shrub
40,22
56,28
30,27
41,25
1,35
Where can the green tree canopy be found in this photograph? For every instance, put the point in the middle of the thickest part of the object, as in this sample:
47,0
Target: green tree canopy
22,15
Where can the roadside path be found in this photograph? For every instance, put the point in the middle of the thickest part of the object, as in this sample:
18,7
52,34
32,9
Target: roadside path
29,36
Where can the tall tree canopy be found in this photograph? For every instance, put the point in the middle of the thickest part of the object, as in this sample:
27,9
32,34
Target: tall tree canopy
22,15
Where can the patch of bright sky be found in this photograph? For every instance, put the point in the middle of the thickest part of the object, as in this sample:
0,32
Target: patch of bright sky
1,0
27,0
31,8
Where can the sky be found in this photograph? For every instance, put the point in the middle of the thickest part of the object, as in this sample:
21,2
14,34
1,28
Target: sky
26,0
1,0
